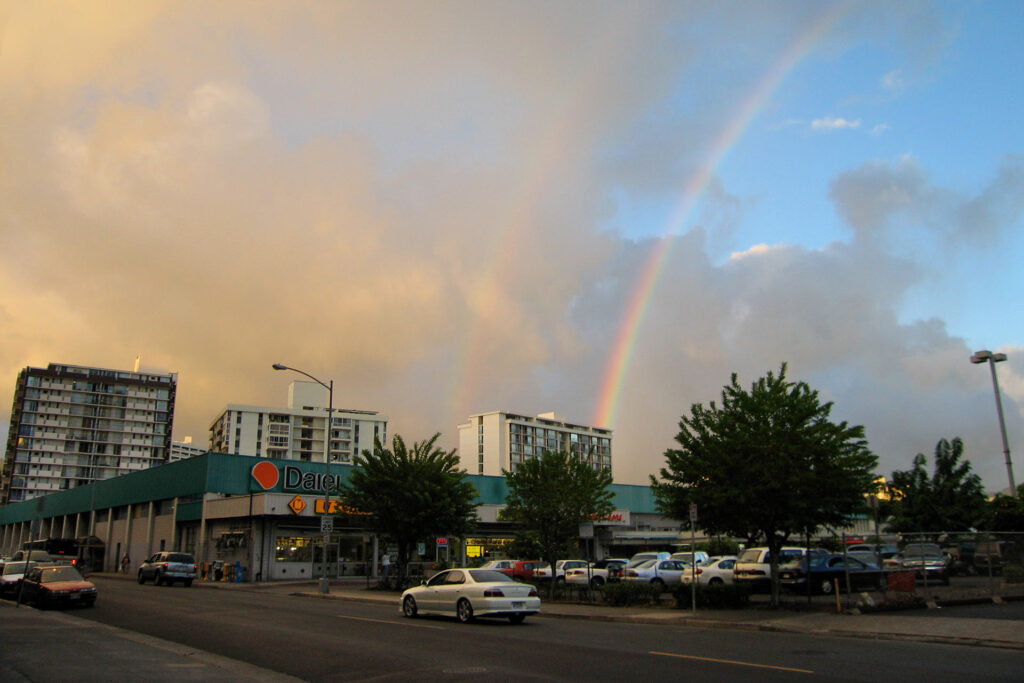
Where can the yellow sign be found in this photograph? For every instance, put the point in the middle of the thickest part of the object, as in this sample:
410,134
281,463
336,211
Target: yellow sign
297,505
337,507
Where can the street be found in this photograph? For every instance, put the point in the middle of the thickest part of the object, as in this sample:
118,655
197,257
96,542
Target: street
326,639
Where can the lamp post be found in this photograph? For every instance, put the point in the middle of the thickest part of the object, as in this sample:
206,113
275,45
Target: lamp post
325,586
993,358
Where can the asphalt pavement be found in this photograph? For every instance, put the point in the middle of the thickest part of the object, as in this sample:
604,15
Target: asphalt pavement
75,651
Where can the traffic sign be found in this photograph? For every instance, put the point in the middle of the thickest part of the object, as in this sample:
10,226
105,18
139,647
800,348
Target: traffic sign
326,523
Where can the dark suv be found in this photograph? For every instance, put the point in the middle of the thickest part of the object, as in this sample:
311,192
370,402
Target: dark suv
168,567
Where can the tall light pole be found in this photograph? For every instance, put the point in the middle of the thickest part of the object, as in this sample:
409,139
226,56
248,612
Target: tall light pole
325,526
993,358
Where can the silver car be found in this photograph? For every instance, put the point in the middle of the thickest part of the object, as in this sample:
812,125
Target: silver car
168,567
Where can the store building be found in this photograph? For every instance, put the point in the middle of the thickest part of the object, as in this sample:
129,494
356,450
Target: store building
492,442
265,515
72,425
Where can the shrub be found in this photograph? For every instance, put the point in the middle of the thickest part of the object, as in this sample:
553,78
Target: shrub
718,596
1013,573
625,593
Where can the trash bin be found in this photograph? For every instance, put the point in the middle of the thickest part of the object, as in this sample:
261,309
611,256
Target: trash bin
239,573
902,582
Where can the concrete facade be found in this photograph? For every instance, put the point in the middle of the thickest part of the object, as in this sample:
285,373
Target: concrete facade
492,442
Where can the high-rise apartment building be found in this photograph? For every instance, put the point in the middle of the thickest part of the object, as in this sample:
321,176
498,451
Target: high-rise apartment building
496,441
72,425
298,431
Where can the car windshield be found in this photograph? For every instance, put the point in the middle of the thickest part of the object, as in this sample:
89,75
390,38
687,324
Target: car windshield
14,568
488,576
53,574
752,555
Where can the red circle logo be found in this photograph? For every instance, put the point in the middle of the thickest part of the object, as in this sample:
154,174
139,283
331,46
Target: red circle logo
266,474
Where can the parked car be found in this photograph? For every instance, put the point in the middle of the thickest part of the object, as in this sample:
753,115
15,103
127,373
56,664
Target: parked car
168,567
926,560
598,573
717,570
471,593
664,572
50,586
524,570
991,556
753,566
881,551
561,566
826,569
700,557
961,558
11,577
505,566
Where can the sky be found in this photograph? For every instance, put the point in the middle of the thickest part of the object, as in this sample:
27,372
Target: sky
597,209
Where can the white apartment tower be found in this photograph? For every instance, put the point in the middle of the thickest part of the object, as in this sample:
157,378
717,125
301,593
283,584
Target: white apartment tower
298,431
72,425
496,441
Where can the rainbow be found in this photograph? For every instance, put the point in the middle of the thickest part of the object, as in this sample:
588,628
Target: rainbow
629,330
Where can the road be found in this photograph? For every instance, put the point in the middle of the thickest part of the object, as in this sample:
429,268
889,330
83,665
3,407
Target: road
316,639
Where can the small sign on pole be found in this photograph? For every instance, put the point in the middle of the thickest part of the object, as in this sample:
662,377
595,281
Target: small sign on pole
693,513
442,542
326,523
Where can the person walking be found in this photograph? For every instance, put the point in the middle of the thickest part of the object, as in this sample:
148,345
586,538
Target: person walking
125,561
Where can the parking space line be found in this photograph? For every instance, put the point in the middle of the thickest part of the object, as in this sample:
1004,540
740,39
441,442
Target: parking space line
392,622
732,661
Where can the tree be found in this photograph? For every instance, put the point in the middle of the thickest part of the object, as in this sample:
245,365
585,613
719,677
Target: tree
411,494
952,499
1006,513
768,463
550,495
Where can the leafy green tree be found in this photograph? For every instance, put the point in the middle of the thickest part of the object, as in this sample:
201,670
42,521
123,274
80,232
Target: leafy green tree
550,495
411,494
767,463
951,499
1006,513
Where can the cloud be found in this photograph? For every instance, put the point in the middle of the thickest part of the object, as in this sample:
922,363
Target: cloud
830,123
412,205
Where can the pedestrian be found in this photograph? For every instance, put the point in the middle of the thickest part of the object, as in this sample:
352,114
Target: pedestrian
125,561
385,565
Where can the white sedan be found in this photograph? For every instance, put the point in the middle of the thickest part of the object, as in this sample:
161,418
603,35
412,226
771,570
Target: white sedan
661,572
717,570
562,567
470,593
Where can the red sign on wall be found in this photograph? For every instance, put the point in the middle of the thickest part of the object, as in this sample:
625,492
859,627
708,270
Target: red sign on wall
442,542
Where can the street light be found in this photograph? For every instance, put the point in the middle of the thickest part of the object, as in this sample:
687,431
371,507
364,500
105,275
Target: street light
993,358
325,586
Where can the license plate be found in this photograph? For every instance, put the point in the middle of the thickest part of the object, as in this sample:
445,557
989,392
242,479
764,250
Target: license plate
74,596
518,603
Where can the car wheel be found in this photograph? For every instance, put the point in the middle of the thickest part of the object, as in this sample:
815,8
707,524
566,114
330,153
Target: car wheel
409,607
560,580
597,582
464,610
714,581
187,583
142,579
659,583
825,586
517,618
158,579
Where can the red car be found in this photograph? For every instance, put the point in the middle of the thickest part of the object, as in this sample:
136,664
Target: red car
524,569
52,586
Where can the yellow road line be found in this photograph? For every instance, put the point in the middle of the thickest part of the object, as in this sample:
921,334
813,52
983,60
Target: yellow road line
732,661
392,622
